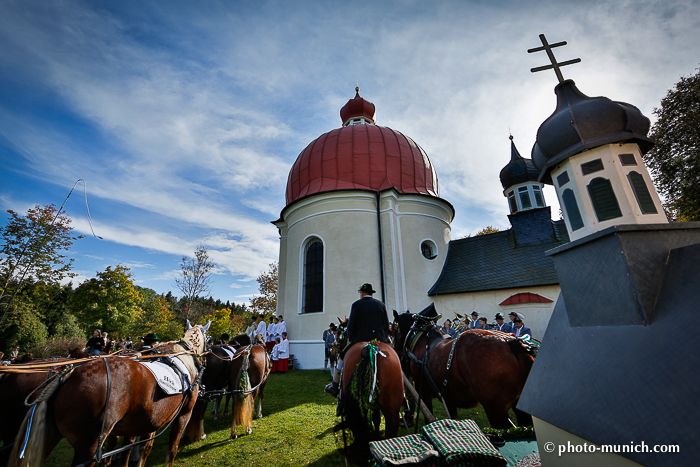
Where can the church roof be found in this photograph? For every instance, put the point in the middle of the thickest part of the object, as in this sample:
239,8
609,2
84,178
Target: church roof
503,260
362,156
518,170
580,122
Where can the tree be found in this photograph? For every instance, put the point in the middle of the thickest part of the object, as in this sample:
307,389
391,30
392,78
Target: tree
266,303
489,229
674,161
32,248
110,301
155,315
195,276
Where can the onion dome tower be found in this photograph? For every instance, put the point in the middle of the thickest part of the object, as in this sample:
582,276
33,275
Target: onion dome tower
362,205
520,183
591,150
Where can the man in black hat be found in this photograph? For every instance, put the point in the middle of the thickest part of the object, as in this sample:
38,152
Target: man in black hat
368,321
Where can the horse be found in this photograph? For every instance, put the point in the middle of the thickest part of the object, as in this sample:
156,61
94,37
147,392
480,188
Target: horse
14,388
477,367
247,381
109,395
360,407
217,370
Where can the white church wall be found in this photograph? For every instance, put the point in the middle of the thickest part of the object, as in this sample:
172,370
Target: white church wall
346,222
537,315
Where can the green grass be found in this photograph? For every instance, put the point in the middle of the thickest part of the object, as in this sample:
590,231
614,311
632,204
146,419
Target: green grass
296,429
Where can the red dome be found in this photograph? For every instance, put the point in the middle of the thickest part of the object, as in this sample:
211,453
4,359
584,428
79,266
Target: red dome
366,157
357,107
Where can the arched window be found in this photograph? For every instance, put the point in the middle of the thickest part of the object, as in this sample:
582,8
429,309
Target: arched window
313,277
604,200
572,211
641,192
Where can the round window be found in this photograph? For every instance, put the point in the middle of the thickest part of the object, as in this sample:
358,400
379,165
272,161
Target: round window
428,249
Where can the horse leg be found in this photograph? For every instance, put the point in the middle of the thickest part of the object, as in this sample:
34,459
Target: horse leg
523,418
145,449
124,456
110,445
498,416
178,427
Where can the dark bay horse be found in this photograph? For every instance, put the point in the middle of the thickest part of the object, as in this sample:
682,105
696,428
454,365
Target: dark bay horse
89,405
487,368
360,407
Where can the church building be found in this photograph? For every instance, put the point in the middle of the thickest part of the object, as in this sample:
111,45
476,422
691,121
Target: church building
363,205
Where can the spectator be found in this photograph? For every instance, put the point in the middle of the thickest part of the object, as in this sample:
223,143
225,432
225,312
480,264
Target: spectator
149,340
270,335
519,329
281,326
483,322
447,328
250,330
500,325
475,324
283,363
275,356
328,339
128,344
96,343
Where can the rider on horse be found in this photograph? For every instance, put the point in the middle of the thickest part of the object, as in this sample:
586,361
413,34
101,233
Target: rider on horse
368,321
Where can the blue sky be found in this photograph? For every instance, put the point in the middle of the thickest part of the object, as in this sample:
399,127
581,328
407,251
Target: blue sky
184,118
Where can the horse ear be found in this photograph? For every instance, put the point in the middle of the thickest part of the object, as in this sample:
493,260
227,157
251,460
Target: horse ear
206,328
189,326
396,315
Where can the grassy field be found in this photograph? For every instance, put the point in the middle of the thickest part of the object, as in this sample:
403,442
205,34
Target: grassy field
296,429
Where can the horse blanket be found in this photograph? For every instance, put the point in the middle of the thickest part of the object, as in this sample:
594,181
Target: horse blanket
172,382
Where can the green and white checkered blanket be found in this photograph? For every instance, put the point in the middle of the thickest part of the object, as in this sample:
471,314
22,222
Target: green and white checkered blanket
443,443
404,451
461,443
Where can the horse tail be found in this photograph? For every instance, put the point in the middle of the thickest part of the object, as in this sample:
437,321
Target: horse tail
356,414
195,427
30,444
243,402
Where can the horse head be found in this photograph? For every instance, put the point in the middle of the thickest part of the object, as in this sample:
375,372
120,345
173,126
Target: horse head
403,322
196,337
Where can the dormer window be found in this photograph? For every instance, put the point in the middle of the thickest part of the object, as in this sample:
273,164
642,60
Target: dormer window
524,198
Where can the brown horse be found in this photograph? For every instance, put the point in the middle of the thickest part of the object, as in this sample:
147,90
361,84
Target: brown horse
362,408
14,389
486,368
247,381
110,395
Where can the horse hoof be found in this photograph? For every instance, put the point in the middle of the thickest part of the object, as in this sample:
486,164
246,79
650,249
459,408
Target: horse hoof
204,437
234,436
248,431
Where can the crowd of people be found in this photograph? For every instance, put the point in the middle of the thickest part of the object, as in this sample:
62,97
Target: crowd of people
515,326
274,336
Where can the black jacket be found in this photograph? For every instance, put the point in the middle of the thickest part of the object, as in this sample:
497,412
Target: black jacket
368,320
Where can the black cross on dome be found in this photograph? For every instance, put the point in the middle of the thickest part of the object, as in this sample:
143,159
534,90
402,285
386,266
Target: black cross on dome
556,65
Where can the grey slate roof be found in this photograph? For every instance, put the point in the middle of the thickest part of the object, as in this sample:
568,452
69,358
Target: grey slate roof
502,260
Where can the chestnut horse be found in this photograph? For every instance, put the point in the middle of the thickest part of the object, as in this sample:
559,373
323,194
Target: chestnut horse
361,408
486,368
14,389
111,395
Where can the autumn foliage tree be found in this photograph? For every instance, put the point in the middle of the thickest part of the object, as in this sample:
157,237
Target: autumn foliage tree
674,161
33,247
109,301
266,303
